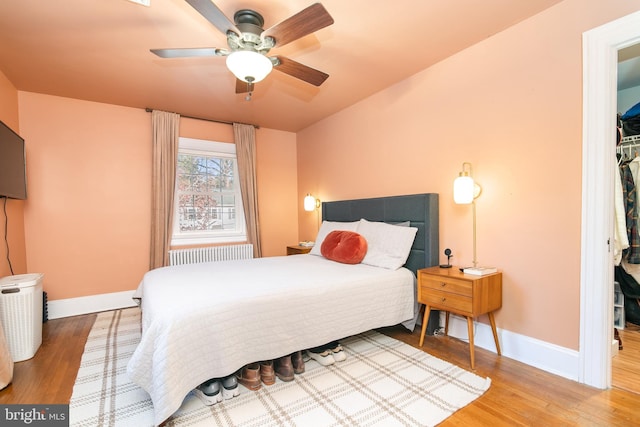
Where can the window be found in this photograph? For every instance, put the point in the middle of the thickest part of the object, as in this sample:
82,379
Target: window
208,204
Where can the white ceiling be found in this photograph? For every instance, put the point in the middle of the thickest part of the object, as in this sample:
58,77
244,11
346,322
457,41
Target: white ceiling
98,50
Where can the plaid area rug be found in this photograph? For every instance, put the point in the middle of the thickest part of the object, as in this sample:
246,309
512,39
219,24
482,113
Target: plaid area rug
383,382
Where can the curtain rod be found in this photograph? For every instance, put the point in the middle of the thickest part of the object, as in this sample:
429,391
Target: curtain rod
149,110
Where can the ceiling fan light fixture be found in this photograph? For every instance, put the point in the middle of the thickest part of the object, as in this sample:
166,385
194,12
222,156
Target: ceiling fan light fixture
249,66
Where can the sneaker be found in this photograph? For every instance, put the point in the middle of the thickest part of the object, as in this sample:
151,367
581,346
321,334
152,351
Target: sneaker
338,353
209,392
325,358
230,387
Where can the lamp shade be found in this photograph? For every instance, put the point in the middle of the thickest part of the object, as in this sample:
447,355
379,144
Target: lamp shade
309,203
463,190
249,66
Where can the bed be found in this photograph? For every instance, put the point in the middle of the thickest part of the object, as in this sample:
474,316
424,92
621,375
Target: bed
203,321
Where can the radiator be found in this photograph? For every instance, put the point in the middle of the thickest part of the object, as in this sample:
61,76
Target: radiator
213,253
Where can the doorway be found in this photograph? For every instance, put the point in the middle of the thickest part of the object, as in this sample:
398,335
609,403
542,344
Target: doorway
625,367
600,53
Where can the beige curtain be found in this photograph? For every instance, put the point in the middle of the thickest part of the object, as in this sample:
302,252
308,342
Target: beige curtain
165,154
245,138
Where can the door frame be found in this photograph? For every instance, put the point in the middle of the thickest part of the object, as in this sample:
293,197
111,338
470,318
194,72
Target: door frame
600,75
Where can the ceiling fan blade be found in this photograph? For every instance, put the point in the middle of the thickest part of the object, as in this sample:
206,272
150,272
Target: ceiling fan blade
243,87
299,25
213,14
300,71
187,52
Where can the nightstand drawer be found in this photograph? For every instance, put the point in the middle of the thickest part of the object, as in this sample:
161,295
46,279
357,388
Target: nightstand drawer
448,301
460,287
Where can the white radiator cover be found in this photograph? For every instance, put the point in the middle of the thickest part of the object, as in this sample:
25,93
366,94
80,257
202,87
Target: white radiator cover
212,253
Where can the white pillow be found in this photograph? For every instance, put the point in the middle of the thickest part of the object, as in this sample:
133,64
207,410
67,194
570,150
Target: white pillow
388,245
402,224
326,228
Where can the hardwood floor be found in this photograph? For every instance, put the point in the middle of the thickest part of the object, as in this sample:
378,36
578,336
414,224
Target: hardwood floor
48,377
520,395
625,373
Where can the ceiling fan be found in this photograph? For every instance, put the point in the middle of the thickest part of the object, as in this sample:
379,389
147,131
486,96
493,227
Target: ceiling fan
249,43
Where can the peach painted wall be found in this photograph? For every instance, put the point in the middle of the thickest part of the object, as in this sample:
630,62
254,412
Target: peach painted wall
512,106
15,208
87,217
277,159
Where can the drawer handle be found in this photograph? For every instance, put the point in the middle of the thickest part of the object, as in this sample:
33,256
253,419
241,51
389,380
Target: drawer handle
443,299
443,284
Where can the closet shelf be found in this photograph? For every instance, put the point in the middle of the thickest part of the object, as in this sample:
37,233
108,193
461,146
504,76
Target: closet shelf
628,146
633,139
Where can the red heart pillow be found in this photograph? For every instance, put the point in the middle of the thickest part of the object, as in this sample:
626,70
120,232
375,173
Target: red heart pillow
343,246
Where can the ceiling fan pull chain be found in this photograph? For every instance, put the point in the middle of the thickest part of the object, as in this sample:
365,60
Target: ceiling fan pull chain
249,89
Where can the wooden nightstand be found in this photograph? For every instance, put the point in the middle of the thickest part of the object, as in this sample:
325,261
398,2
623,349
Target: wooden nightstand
452,291
297,249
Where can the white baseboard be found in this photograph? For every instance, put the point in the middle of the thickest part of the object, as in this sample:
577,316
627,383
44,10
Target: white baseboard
89,304
539,354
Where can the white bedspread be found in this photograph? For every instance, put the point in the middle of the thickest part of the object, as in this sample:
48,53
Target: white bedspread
203,321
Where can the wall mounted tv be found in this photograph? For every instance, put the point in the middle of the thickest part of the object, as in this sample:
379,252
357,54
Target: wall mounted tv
13,177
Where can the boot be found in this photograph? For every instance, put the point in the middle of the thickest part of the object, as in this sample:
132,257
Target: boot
284,368
267,374
298,362
249,376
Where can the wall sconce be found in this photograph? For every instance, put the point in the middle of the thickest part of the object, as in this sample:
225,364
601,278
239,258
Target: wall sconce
311,203
465,192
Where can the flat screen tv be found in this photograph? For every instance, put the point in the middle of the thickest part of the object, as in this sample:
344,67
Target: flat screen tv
13,177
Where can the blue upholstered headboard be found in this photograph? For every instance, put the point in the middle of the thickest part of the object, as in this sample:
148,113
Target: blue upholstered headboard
420,209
